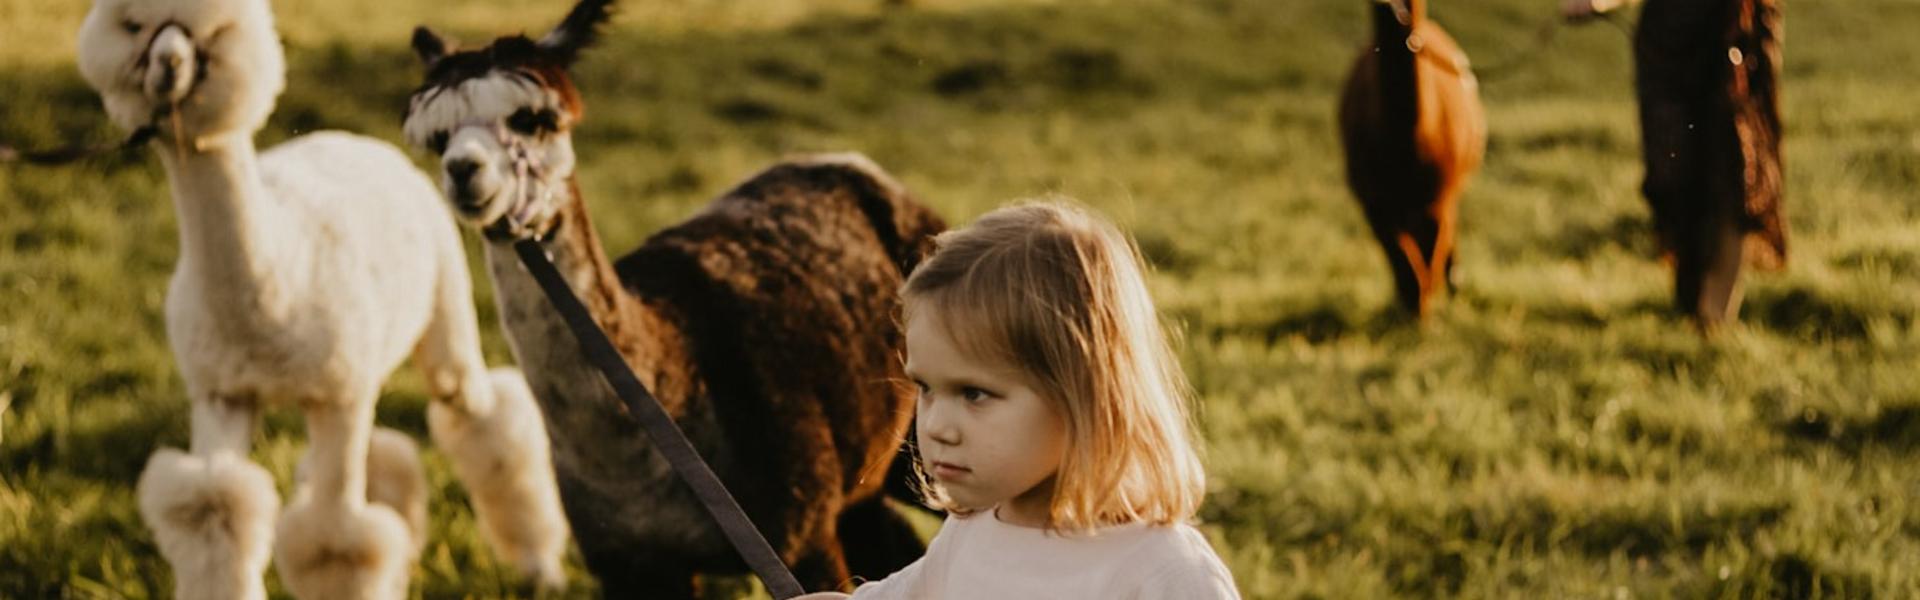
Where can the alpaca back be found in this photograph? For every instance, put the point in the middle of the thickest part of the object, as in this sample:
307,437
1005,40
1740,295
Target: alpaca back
381,243
787,289
1449,132
1452,131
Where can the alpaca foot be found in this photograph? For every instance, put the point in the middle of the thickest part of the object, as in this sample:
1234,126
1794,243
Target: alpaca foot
504,460
212,517
340,551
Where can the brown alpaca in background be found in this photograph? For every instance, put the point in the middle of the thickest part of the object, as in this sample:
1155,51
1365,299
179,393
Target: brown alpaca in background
1414,131
1707,73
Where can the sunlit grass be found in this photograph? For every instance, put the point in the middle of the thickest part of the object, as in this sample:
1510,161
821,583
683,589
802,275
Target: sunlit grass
1553,432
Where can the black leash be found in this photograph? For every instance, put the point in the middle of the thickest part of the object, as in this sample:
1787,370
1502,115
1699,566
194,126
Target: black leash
666,436
69,154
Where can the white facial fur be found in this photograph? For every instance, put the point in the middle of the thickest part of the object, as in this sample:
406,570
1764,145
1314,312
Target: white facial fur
229,64
473,118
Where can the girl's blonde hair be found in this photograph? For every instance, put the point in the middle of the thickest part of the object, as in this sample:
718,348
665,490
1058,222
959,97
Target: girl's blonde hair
1058,293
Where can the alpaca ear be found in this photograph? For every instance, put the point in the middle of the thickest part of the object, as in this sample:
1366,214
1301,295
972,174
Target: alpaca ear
428,45
579,30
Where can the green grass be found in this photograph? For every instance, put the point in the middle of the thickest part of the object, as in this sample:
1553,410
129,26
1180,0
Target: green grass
1554,432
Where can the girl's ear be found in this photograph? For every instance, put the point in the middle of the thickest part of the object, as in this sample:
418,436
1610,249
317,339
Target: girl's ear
429,46
579,30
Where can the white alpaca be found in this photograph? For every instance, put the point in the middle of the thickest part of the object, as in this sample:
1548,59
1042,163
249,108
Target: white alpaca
306,275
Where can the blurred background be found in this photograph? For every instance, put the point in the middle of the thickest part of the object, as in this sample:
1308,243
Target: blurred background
1553,431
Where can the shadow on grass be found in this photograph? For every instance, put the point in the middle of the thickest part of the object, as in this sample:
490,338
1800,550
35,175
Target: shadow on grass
1896,427
109,451
1823,314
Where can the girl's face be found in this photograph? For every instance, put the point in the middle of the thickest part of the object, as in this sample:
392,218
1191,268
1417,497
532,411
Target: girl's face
985,436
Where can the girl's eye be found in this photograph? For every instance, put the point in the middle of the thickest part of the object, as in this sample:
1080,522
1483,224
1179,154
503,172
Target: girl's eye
528,121
130,26
438,143
974,395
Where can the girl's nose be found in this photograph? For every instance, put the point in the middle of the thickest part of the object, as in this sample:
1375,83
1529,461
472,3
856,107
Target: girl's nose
937,426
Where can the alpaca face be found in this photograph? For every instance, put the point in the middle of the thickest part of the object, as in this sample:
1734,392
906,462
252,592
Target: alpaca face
216,63
500,119
504,142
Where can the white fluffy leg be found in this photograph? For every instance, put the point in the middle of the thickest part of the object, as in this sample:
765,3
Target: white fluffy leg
212,517
343,551
396,479
503,459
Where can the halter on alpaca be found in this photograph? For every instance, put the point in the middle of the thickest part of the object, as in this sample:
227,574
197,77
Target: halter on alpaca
524,216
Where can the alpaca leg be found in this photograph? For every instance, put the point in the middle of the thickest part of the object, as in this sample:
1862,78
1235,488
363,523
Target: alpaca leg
877,540
395,478
1440,259
332,543
1409,272
212,511
1719,287
628,573
502,456
824,568
490,426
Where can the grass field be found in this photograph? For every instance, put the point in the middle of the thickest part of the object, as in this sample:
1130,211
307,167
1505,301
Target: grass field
1555,432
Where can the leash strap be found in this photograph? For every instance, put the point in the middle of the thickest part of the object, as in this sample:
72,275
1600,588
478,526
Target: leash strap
69,154
660,428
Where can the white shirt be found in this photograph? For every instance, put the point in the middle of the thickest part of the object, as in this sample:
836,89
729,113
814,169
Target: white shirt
978,556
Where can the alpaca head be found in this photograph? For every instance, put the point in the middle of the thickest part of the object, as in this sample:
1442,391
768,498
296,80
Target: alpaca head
500,118
216,62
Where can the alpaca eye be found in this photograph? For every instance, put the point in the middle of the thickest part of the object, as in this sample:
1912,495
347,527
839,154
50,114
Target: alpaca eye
528,121
130,26
438,143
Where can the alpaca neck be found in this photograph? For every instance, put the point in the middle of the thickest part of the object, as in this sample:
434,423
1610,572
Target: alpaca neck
1398,74
646,339
228,223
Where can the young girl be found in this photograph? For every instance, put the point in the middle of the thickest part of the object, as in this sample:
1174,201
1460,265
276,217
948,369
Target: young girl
1052,420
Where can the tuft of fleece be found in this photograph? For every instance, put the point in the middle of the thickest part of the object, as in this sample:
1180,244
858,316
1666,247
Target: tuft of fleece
212,517
344,551
504,459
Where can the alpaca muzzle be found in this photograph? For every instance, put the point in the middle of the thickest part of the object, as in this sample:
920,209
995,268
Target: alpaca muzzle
517,205
172,62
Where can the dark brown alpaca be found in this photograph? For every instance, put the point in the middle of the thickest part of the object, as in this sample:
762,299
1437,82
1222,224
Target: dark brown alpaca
765,324
1414,132
1710,127
1707,72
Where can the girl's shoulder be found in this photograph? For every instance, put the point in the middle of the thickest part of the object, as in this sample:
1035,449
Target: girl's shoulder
1178,561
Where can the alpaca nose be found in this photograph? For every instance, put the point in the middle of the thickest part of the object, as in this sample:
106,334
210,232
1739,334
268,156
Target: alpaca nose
171,54
461,170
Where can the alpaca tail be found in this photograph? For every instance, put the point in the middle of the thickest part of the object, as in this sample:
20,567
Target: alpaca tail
504,459
212,517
